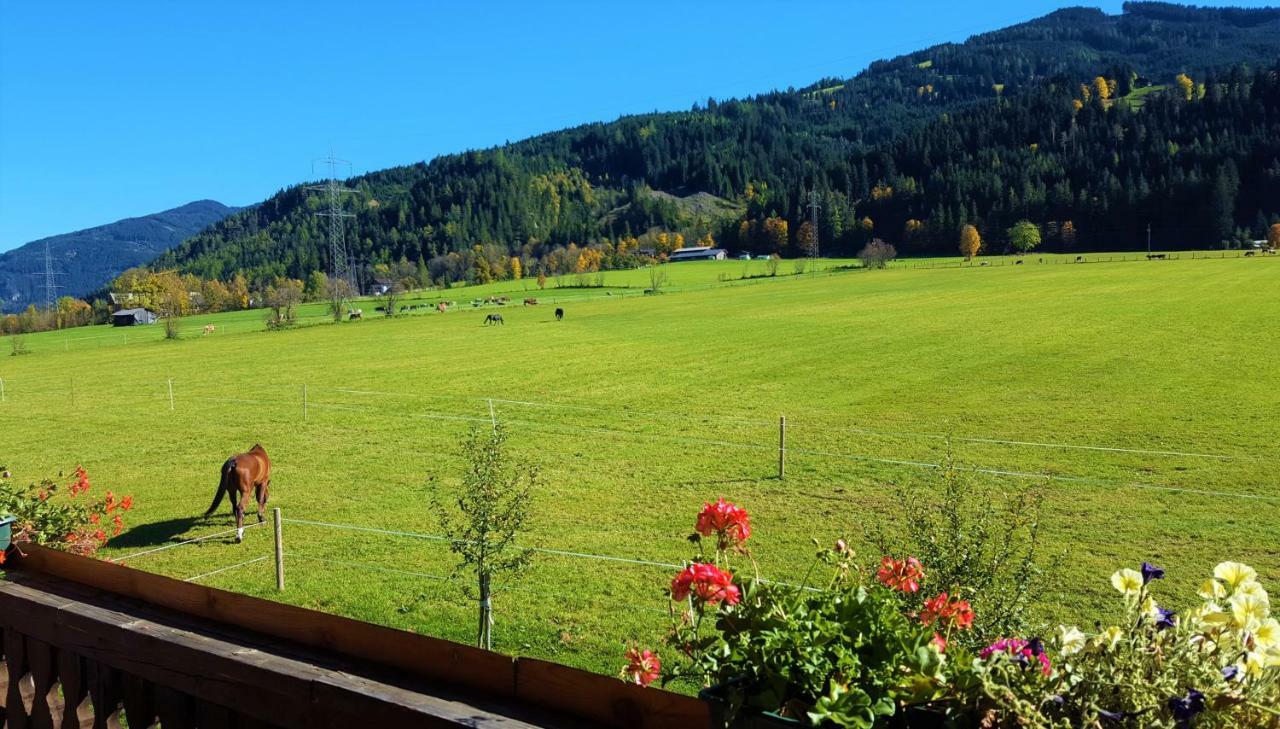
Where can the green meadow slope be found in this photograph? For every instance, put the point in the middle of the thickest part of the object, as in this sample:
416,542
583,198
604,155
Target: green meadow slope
639,408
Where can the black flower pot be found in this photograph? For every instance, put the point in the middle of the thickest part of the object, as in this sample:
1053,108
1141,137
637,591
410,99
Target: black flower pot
746,718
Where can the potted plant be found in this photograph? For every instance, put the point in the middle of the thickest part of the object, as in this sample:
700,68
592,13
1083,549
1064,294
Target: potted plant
849,651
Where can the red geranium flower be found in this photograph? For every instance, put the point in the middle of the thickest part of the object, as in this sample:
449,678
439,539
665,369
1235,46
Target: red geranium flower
903,576
126,503
954,611
940,642
643,667
707,583
725,519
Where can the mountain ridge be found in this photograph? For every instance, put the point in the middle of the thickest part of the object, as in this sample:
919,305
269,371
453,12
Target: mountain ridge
765,152
87,260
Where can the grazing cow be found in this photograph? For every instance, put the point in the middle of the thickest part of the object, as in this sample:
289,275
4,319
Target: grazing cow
209,329
1156,256
984,263
1017,263
493,319
1249,254
530,302
1079,259
559,314
354,314
441,307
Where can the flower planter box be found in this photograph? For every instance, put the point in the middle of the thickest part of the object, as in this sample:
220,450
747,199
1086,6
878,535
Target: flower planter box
914,717
6,531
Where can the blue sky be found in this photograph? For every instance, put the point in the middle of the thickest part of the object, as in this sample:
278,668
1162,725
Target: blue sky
115,109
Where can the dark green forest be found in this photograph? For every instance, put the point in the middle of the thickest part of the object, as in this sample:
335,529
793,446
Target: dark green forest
1091,126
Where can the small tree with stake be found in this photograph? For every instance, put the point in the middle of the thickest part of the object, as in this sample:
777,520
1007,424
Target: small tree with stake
490,511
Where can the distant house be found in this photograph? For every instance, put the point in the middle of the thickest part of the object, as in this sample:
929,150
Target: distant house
380,286
744,256
130,317
699,253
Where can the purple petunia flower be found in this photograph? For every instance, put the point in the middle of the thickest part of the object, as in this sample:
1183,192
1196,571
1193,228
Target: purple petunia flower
1151,572
1164,618
1230,672
1185,708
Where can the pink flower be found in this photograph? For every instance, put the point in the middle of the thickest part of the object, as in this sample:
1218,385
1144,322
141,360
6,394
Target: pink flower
903,576
1021,650
730,521
643,667
707,583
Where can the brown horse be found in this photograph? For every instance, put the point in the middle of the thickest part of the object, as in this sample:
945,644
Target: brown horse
242,473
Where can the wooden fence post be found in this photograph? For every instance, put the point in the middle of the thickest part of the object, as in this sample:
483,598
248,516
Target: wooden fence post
782,447
279,534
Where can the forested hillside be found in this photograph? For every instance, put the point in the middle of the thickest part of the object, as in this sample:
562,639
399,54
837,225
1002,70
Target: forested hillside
87,260
1179,133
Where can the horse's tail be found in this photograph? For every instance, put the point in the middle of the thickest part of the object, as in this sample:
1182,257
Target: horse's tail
227,469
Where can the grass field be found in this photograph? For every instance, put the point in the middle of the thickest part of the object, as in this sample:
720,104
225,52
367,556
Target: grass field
639,408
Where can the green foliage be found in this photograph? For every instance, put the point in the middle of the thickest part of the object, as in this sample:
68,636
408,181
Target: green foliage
488,515
846,655
59,515
18,345
978,543
1024,236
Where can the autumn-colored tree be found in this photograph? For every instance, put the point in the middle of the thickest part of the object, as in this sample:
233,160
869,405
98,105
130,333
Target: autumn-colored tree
1086,92
775,234
542,280
707,241
867,224
1024,236
1273,236
1068,233
1101,88
517,271
882,192
1185,85
970,242
807,239
913,229
239,292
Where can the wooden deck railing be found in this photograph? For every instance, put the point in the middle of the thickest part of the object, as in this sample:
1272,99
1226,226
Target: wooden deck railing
84,641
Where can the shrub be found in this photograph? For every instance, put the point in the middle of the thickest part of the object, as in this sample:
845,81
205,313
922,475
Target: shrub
18,345
771,266
980,544
877,254
72,522
172,327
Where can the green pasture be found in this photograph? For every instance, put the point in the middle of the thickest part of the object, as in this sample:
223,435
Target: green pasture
1161,376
